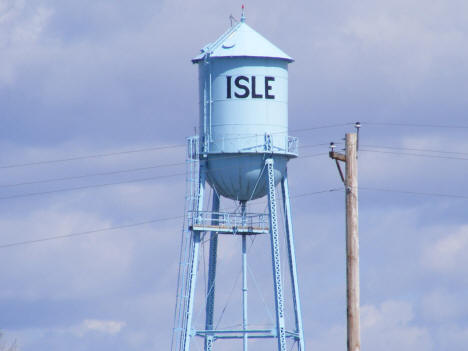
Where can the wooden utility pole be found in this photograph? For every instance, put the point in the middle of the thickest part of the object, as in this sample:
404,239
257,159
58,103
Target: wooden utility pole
352,239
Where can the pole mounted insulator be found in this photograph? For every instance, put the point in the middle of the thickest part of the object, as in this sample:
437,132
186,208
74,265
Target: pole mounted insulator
357,125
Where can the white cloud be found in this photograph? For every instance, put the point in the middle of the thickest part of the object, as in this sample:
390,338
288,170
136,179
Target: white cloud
101,326
390,326
61,268
21,28
333,338
398,166
453,337
448,254
443,306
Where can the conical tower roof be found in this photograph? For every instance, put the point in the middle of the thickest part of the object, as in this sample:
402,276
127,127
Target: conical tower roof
242,41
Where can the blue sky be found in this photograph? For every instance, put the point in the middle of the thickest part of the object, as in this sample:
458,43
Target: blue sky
98,77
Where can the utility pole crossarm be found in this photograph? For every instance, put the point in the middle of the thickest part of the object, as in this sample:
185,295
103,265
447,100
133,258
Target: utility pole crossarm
337,156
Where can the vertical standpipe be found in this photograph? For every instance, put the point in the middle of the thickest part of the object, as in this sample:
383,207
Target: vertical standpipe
211,288
244,278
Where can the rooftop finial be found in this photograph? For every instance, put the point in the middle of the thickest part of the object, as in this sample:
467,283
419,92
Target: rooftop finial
242,15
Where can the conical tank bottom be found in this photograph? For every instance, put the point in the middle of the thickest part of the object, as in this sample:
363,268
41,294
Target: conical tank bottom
242,177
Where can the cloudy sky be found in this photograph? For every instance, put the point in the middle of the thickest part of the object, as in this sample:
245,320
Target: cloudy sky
102,85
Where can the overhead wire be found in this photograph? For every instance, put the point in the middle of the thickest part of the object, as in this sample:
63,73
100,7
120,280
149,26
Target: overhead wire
129,170
119,171
147,179
321,127
418,125
172,146
137,180
436,151
152,148
100,155
174,164
413,149
88,232
415,155
411,192
98,174
91,186
123,226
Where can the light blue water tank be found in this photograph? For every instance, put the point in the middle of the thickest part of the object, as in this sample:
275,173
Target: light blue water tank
243,85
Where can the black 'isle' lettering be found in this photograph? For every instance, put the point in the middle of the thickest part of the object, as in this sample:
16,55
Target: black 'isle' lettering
228,80
268,87
245,87
254,93
242,87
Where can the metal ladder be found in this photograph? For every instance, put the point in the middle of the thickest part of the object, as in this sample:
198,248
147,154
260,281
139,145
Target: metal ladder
186,249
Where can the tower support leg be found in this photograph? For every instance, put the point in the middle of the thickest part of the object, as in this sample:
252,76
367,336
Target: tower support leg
210,296
194,263
275,253
292,262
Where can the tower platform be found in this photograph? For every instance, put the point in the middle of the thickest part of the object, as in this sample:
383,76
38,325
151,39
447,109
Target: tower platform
229,222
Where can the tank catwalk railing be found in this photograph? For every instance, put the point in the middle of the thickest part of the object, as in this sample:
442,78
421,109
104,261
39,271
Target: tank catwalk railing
293,145
239,334
281,144
229,223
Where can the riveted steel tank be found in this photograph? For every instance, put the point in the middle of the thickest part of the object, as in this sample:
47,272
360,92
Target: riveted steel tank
243,87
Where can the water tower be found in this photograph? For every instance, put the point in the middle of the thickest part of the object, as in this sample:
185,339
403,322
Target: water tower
242,153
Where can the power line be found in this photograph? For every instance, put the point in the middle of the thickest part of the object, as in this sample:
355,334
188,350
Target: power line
317,192
116,153
414,149
321,127
137,180
154,148
145,179
123,226
76,158
50,180
42,181
418,125
414,192
416,155
128,170
91,175
88,232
